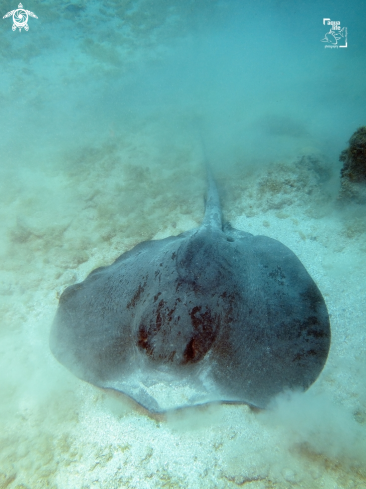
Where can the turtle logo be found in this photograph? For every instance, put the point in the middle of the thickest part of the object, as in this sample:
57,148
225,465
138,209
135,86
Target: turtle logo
20,18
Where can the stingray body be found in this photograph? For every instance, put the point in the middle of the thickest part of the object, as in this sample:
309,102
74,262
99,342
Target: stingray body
213,314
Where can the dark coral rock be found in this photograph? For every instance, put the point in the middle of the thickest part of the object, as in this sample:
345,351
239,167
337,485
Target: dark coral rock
353,173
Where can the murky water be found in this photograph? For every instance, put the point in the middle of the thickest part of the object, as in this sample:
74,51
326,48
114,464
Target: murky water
101,109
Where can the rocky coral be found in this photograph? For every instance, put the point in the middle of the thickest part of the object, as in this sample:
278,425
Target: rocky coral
353,173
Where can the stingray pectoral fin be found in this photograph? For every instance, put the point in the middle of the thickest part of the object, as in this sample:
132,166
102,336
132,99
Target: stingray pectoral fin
90,333
279,334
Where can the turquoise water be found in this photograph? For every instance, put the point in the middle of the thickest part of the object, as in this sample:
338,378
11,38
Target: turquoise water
101,109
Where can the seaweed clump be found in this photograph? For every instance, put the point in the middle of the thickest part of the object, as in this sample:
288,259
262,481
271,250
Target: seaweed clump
353,173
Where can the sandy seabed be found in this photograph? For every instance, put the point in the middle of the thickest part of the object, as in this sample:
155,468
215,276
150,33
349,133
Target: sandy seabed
79,187
57,431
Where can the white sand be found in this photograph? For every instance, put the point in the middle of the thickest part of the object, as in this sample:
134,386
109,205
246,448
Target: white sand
60,432
86,174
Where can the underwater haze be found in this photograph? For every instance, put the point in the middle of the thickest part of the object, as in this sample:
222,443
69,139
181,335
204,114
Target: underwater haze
108,110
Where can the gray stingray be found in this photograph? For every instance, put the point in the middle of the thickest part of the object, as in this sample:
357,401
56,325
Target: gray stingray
211,315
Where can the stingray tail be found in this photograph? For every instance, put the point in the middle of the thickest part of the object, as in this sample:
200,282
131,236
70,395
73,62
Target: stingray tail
212,217
213,209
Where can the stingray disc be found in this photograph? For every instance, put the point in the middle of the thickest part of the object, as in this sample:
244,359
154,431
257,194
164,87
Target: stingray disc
214,314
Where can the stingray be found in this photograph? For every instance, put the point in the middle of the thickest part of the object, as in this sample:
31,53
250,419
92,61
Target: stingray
214,314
